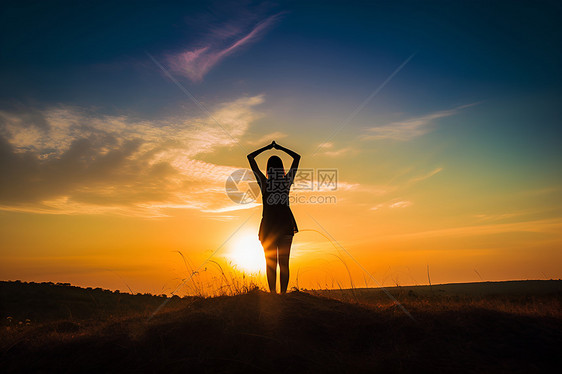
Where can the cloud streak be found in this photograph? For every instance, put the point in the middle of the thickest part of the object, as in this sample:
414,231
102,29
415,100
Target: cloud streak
79,162
267,138
549,226
425,176
393,204
410,128
195,63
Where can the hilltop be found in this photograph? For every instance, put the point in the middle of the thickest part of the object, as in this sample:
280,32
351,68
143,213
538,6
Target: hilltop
297,332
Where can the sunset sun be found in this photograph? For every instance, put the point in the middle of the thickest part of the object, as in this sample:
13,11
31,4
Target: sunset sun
246,253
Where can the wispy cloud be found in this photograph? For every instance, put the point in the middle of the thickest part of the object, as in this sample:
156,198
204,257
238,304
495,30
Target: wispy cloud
410,128
196,62
393,204
267,138
400,204
337,152
77,161
420,178
551,226
328,149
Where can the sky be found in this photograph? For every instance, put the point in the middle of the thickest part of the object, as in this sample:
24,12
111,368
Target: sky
120,125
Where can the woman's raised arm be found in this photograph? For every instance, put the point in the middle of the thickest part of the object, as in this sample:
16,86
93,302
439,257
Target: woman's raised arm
254,165
296,159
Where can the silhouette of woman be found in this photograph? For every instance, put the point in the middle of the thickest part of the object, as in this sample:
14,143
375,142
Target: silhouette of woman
278,224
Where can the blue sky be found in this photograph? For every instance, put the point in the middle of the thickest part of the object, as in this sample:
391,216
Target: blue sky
315,61
465,49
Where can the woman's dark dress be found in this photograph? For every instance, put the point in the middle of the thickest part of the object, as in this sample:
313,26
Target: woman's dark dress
277,218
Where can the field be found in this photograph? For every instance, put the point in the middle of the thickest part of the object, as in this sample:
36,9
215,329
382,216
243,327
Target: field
478,327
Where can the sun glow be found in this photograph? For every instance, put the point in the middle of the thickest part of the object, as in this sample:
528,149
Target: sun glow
246,253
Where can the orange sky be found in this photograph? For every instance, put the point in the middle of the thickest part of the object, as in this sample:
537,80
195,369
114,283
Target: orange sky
412,218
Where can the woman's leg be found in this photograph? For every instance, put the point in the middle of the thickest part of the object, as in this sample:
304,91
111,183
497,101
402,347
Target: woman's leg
284,249
270,250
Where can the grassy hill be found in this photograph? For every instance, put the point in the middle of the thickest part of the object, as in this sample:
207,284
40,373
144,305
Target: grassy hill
43,302
298,332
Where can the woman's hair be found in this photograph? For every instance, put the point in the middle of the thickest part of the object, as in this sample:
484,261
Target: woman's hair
275,167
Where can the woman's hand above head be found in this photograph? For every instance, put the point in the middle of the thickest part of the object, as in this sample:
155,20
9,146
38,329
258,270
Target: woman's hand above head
258,151
286,150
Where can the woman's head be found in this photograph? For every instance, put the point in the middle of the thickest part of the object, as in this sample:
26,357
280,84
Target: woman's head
275,167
